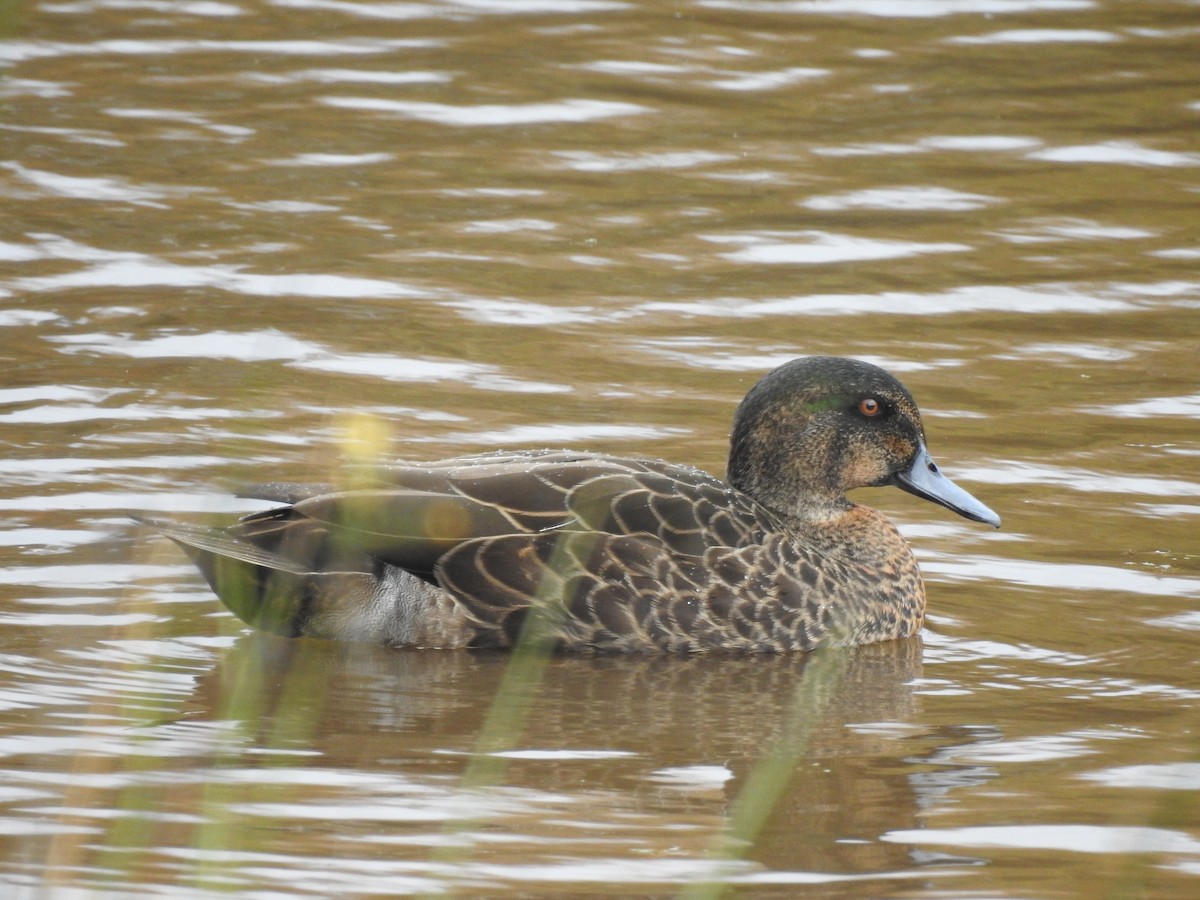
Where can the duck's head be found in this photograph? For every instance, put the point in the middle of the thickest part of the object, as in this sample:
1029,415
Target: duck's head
819,426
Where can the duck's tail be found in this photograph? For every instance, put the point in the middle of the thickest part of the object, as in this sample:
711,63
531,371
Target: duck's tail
263,589
359,599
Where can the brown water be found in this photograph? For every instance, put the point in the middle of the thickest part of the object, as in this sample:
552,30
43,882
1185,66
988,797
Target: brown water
242,239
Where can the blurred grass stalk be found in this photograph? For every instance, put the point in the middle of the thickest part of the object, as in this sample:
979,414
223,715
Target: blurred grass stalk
767,781
506,718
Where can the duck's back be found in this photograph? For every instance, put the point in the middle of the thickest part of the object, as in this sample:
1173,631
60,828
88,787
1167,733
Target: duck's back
408,514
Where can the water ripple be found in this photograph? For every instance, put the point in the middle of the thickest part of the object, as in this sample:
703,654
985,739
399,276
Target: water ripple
820,248
454,8
103,189
493,114
916,198
890,9
206,8
1061,576
1085,480
21,51
116,268
1031,299
584,161
767,81
1184,776
1077,838
1120,153
1039,36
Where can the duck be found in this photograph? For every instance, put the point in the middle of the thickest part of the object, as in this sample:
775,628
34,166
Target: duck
592,552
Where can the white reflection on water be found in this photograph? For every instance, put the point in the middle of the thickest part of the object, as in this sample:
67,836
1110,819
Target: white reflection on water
820,247
1062,576
508,311
979,143
693,778
119,740
34,87
585,161
508,226
1188,407
99,188
210,8
259,346
1169,510
97,576
1039,36
766,81
1096,483
119,268
246,346
1185,621
1036,748
58,393
983,143
528,7
562,754
1183,776
57,538
1071,230
1050,298
128,270
1092,352
894,9
130,412
392,11
942,649
1078,838
20,51
453,8
91,136
1124,153
492,114
332,159
16,318
633,67
176,115
381,365
159,501
51,621
683,350
346,76
914,198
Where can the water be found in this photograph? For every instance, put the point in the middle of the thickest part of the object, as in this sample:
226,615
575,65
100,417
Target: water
252,238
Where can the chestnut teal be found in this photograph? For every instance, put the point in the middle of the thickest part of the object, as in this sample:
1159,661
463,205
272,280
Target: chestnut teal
609,553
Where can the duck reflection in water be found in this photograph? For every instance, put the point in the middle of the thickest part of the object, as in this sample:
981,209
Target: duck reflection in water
607,553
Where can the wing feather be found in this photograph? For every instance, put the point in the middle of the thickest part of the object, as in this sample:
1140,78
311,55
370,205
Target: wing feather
631,593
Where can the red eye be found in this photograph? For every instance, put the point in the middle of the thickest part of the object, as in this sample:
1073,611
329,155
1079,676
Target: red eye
870,407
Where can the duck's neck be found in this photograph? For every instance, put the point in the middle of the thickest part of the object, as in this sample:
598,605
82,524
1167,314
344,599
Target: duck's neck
797,494
802,479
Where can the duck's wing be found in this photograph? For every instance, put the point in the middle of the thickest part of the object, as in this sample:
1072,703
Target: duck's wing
588,590
411,516
494,534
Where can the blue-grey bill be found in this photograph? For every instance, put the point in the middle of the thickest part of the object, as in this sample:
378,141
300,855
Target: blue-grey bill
924,479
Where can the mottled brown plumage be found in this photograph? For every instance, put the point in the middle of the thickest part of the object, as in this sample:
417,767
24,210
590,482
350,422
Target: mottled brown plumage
604,553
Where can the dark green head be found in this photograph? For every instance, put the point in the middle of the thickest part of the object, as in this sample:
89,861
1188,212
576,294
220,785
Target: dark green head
819,426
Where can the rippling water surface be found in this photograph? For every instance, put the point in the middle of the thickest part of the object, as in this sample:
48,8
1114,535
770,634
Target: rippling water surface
250,238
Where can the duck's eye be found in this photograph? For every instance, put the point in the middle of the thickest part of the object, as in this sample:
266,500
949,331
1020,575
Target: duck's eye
869,406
